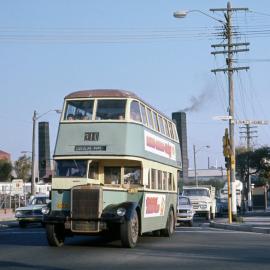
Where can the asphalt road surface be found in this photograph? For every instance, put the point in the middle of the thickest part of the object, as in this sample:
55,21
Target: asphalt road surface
199,247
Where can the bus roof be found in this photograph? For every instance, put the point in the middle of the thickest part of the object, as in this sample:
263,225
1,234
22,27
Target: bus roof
109,93
98,93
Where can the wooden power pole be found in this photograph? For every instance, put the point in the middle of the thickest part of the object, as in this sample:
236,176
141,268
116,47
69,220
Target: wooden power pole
230,48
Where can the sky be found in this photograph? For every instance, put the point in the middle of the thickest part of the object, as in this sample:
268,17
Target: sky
49,48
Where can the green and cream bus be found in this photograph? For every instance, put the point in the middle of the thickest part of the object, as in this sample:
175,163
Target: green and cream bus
117,160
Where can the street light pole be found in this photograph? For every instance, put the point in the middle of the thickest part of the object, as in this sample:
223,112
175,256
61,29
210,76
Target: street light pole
35,118
195,163
33,180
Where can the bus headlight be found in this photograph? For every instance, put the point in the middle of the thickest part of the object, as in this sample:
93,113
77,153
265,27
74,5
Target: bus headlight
121,211
45,210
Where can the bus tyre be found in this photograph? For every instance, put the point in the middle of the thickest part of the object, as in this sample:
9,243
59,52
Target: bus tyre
55,234
168,231
129,231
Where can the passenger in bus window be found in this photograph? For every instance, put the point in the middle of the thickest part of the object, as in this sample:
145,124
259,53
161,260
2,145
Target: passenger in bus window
78,116
132,175
112,175
121,117
70,117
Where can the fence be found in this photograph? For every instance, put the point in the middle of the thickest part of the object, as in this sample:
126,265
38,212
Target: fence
11,199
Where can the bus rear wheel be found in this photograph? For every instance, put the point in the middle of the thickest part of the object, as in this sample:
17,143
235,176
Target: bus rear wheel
55,234
168,231
129,231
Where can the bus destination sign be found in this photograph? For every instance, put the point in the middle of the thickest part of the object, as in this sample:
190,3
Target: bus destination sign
80,148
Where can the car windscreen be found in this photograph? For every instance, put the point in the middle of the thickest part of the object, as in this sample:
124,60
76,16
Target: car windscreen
183,201
70,168
39,200
196,192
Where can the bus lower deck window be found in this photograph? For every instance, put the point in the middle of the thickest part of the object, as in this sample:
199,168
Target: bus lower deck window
93,170
112,175
70,168
132,175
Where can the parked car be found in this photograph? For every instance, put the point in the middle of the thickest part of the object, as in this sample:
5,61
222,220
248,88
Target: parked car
32,212
222,207
185,211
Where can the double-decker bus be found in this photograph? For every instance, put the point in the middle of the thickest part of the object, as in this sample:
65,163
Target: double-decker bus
117,160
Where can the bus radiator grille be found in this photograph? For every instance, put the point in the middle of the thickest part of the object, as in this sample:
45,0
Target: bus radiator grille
85,203
85,226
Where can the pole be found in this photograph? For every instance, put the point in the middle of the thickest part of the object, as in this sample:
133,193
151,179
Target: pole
33,180
229,197
195,167
231,107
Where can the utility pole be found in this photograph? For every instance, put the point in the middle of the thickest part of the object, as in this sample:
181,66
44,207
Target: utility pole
247,134
230,48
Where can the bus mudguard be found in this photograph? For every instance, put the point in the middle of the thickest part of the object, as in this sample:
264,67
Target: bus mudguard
119,212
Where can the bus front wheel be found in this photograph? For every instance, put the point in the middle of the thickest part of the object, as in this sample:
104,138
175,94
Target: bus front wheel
55,234
129,231
168,231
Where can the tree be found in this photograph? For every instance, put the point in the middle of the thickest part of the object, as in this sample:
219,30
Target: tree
5,170
23,167
255,162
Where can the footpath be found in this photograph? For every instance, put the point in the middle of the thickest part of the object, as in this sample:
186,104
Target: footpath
7,215
254,221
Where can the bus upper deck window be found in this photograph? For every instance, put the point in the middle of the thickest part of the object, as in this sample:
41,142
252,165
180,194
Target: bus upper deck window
156,121
144,117
135,113
171,130
110,109
150,118
162,130
79,110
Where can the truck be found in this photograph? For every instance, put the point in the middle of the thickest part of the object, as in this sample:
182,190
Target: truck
203,200
223,196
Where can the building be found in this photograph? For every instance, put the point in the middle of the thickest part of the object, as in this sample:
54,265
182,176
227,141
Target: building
208,174
4,155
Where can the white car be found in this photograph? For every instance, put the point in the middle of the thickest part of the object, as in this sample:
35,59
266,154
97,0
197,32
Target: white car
185,211
32,212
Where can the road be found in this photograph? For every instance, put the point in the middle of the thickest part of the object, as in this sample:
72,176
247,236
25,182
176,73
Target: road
199,247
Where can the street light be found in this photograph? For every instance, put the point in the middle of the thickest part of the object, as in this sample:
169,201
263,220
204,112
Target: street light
180,14
194,155
35,118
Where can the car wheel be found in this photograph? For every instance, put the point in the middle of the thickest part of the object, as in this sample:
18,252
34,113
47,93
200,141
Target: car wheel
22,224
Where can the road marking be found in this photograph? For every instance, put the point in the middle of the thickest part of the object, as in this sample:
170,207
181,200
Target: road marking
14,232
